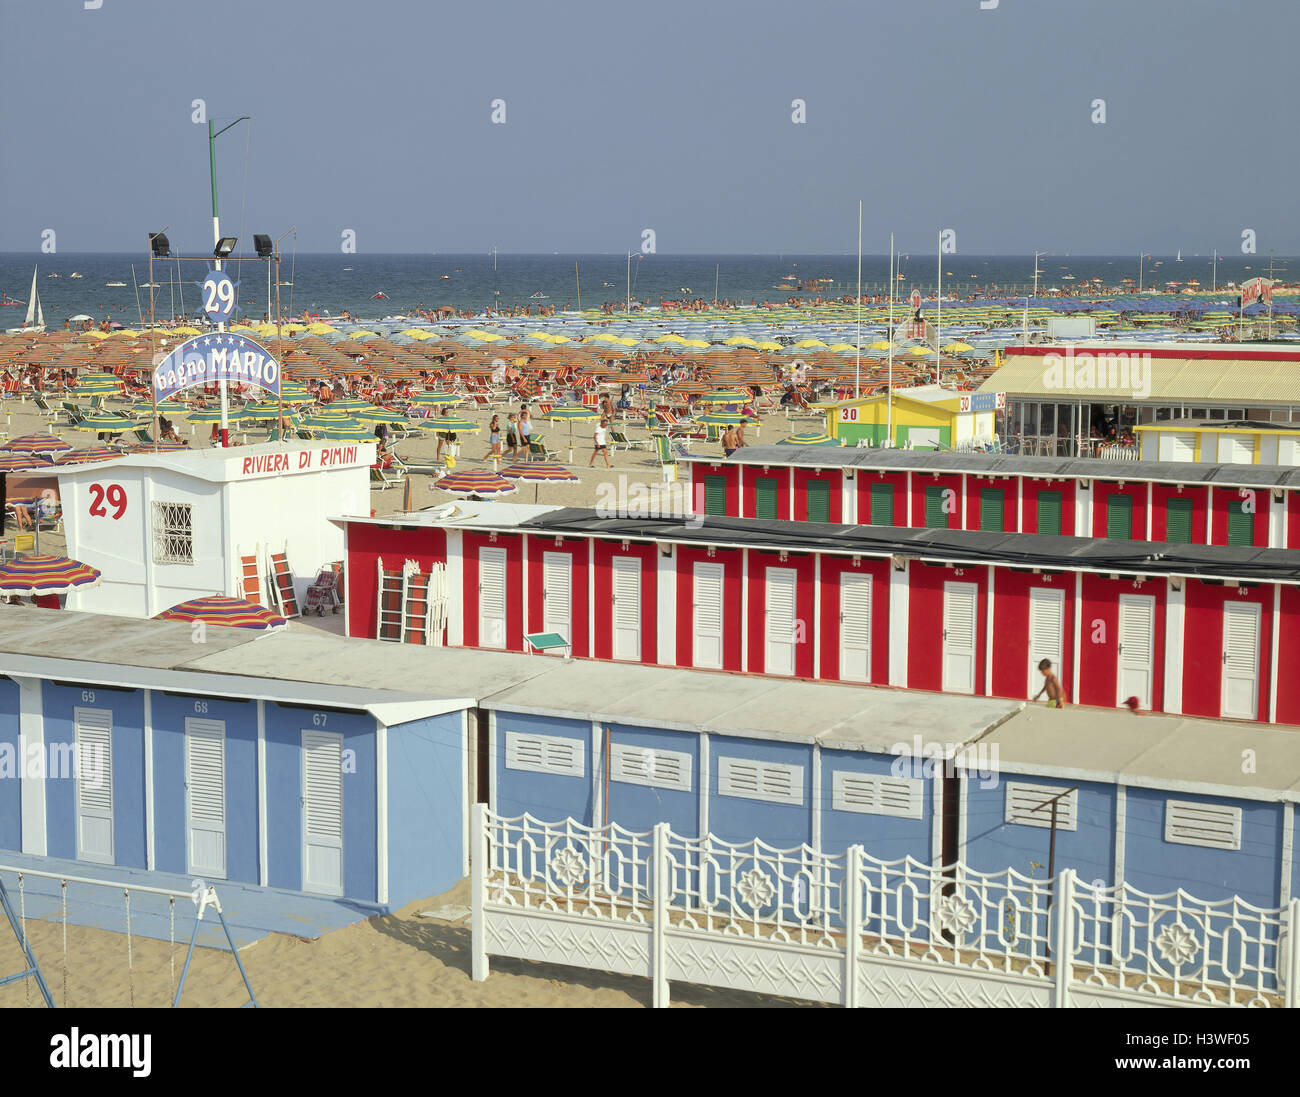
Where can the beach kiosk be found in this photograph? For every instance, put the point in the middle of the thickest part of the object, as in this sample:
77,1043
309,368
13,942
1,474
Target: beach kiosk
247,521
167,527
923,417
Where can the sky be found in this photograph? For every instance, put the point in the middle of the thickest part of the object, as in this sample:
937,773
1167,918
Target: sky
377,118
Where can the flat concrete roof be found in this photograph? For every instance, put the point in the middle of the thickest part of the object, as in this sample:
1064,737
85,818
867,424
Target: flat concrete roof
1174,753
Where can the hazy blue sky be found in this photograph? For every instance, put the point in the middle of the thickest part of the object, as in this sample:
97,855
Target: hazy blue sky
673,116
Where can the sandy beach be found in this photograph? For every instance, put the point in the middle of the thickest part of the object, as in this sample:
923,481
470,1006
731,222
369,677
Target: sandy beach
400,960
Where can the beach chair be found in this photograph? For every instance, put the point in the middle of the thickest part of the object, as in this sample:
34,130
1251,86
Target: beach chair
542,642
619,440
538,450
385,478
143,436
46,409
664,450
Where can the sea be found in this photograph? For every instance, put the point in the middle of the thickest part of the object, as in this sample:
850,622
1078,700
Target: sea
338,282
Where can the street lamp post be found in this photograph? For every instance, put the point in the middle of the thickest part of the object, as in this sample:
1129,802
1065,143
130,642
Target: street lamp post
216,239
1037,254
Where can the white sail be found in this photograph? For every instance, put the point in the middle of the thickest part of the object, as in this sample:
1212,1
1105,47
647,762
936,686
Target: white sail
31,302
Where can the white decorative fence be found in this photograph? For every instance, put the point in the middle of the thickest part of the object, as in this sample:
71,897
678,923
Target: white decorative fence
855,930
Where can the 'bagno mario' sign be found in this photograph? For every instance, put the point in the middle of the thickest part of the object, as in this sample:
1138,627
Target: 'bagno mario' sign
221,356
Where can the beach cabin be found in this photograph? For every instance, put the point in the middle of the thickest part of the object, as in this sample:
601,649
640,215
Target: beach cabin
1180,503
167,527
1158,802
1200,630
1214,441
242,758
923,417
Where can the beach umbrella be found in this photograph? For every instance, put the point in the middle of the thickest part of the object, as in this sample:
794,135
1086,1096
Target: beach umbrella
348,405
36,443
218,609
817,439
380,415
107,422
157,447
721,419
36,576
207,415
353,433
87,455
539,473
23,462
436,399
319,421
726,396
449,424
467,482
258,413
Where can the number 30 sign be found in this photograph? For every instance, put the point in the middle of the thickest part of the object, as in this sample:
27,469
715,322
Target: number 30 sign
218,297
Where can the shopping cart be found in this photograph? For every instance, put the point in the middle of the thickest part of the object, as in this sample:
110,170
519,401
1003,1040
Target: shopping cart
324,591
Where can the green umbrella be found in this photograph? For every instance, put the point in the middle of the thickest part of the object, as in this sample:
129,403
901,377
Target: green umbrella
207,415
108,421
351,404
450,423
316,421
380,415
726,396
722,419
808,440
572,413
435,399
356,433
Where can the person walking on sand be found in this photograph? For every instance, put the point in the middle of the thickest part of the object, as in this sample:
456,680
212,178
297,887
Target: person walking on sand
512,436
494,437
1052,685
601,444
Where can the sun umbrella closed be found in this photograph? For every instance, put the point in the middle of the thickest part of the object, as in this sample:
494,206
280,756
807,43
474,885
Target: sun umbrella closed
219,609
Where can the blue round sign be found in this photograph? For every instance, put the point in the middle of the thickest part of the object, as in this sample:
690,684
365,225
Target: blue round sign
218,297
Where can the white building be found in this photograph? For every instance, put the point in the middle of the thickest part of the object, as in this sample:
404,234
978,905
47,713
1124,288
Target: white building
167,527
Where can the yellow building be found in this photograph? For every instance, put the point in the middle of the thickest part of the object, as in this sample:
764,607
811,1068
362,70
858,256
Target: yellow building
924,417
1220,442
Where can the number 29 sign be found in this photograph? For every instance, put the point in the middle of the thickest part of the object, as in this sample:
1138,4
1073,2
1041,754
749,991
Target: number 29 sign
107,501
218,297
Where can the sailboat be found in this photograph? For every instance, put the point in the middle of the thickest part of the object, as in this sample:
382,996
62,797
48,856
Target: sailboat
34,324
1179,259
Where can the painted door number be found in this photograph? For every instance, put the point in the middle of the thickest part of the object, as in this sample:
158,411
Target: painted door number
112,494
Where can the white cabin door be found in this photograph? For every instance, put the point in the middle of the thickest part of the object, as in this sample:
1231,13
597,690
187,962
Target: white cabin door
93,759
779,621
557,594
205,796
959,604
1137,626
707,625
492,598
855,627
1240,660
627,608
1046,633
322,812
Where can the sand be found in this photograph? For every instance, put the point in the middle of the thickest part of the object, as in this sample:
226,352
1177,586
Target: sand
398,960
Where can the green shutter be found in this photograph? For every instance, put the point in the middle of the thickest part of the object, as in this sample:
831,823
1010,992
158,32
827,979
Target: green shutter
935,518
765,497
819,501
882,504
715,495
1178,521
991,509
1241,523
1049,512
1119,518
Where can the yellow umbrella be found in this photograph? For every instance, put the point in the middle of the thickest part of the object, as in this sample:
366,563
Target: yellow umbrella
919,350
958,347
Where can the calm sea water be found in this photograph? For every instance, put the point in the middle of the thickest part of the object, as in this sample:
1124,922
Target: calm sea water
333,283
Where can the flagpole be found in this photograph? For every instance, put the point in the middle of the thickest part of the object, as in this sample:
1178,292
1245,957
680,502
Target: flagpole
938,315
889,397
857,368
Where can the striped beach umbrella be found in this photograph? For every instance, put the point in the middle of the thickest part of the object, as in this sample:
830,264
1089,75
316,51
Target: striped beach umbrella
814,439
572,413
726,396
538,473
108,422
449,424
346,406
23,462
209,415
370,414
219,609
468,482
36,443
435,399
721,419
157,447
353,433
317,421
44,575
260,413
87,455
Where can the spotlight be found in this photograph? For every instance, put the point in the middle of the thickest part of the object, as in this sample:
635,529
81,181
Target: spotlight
225,246
262,242
161,246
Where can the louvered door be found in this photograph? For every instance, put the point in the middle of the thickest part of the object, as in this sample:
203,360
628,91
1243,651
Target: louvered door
707,610
322,812
959,605
93,731
205,796
627,608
